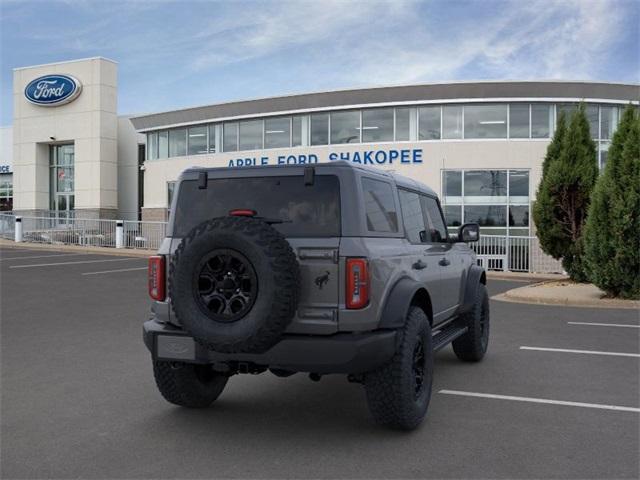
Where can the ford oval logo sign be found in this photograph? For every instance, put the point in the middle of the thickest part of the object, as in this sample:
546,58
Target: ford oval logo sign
53,90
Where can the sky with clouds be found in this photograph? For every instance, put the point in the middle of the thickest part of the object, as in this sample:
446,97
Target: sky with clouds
174,54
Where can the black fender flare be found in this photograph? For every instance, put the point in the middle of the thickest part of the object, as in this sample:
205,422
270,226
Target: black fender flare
397,303
475,276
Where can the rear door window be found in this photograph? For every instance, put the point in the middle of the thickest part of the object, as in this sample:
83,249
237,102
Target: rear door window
305,210
412,216
437,228
380,207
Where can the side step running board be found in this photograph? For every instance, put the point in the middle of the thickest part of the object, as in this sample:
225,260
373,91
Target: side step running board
447,335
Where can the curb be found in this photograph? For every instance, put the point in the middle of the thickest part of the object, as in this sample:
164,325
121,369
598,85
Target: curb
124,252
512,296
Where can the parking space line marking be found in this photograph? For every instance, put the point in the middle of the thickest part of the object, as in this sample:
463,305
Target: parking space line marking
541,400
77,263
605,324
114,271
42,256
591,352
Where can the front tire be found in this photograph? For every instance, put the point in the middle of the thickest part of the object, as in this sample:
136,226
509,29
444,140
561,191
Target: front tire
188,385
398,394
472,346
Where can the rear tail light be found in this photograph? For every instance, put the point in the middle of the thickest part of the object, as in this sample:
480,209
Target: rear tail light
357,283
157,277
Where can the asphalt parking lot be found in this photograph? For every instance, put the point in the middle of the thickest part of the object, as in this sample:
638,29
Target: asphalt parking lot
79,400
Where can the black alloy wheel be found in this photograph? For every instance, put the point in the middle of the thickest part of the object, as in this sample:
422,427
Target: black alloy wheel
226,285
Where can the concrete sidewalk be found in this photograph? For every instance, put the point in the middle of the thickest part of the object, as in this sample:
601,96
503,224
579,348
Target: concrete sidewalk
565,292
127,252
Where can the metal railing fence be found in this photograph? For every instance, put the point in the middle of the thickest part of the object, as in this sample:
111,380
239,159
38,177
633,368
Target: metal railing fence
147,235
516,254
69,231
7,226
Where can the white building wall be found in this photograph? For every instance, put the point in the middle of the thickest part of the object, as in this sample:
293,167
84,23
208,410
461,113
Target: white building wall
436,156
6,149
90,122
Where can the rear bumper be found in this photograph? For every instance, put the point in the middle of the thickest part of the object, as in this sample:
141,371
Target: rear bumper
339,353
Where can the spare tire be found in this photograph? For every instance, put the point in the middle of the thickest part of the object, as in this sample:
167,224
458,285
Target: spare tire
234,284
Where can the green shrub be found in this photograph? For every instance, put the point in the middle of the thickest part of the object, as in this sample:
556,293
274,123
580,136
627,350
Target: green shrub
569,174
612,233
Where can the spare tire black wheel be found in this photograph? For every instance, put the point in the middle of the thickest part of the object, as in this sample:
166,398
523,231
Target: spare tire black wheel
234,284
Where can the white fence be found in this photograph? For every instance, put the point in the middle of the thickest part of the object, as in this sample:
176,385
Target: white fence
495,252
86,232
516,254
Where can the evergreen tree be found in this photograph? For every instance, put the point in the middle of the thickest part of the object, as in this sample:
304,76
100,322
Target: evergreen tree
612,233
563,198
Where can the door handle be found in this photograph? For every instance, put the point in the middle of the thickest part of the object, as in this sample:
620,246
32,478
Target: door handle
444,262
419,265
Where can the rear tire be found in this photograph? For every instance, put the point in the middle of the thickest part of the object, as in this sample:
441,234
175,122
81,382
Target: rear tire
472,346
398,394
188,385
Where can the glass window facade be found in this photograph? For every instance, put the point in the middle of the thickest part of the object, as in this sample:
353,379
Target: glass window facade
345,127
452,121
403,124
230,137
371,125
429,123
519,120
320,129
277,132
485,121
541,120
496,199
62,178
6,192
377,125
163,144
251,135
178,142
197,140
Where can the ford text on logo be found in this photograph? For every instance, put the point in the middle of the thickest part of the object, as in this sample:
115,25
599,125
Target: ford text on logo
53,90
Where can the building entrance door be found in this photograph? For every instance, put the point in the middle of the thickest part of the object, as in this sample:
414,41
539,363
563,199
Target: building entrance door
61,162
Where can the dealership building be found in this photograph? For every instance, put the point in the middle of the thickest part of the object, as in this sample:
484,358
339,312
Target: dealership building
479,144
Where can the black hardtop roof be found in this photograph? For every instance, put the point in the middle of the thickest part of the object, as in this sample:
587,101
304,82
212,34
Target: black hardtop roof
400,180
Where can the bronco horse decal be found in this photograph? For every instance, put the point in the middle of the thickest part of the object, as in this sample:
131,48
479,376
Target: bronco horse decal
322,280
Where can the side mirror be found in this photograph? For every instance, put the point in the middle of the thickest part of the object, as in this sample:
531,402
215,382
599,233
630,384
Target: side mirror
469,232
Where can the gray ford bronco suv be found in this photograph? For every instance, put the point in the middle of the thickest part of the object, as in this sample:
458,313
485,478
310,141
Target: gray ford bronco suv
323,268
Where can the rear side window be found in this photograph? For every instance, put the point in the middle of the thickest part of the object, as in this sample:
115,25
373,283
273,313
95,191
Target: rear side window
437,229
412,216
305,210
380,208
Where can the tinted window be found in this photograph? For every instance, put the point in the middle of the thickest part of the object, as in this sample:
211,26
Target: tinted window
541,116
485,184
453,215
251,135
197,140
380,209
320,129
277,132
403,122
519,120
453,183
377,125
452,121
485,121
296,131
163,144
519,216
486,215
178,142
412,216
519,184
437,230
429,123
230,137
306,211
345,127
